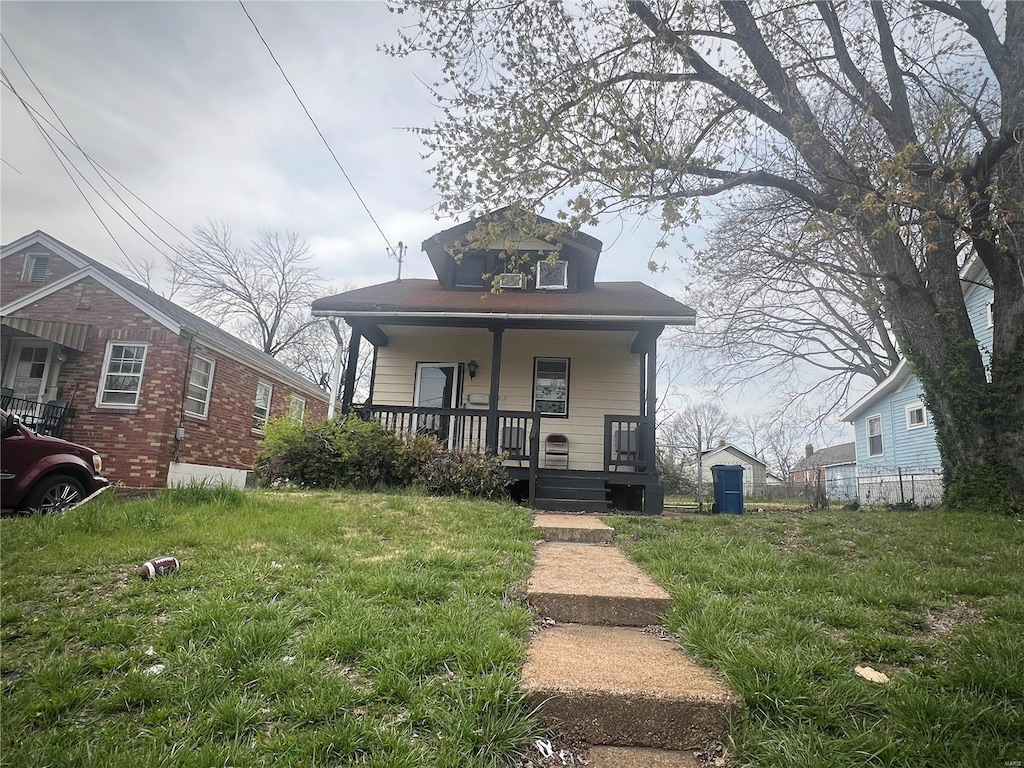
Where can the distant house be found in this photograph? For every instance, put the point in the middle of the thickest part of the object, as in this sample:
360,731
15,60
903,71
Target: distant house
164,396
831,471
755,472
897,456
556,370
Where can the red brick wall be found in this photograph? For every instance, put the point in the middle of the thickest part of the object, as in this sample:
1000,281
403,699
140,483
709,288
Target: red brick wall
137,444
13,267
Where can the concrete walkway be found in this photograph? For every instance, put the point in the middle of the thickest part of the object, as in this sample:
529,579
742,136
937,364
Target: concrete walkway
638,698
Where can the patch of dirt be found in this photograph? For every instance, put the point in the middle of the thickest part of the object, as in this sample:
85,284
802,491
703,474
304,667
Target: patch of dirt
713,755
944,622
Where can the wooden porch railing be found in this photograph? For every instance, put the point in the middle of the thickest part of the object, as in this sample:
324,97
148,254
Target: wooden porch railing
45,418
465,429
625,443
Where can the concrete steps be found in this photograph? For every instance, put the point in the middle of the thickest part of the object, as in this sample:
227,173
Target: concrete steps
639,699
584,584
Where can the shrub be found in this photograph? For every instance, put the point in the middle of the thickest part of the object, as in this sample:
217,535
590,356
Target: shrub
344,452
454,473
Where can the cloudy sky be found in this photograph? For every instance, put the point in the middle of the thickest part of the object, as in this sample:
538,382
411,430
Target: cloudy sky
182,103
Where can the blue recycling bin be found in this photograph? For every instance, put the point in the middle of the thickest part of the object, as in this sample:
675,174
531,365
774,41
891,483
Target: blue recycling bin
728,486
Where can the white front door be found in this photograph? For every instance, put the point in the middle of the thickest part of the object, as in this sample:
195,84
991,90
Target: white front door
437,386
31,364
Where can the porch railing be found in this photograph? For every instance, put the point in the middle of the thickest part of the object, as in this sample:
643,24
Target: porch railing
465,429
625,443
45,418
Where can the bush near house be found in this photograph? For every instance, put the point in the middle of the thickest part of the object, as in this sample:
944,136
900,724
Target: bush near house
351,453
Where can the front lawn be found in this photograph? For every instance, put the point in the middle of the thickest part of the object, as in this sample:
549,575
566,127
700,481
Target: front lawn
312,629
787,605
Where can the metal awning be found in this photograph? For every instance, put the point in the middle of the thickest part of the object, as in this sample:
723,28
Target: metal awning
72,335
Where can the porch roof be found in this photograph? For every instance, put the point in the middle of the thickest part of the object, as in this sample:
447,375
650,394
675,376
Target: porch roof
73,335
632,301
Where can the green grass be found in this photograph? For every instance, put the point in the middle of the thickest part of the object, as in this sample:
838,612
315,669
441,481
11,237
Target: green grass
786,605
306,629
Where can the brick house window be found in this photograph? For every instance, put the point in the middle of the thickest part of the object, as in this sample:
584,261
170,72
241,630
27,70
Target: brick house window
296,409
200,385
261,408
122,375
35,268
874,435
551,385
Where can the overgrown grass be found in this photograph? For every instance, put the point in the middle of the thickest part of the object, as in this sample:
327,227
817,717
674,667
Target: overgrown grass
786,606
308,629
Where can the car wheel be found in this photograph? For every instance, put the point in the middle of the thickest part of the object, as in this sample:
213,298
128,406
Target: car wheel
55,494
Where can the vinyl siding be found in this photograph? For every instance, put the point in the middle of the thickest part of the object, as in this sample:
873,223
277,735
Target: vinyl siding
604,376
911,450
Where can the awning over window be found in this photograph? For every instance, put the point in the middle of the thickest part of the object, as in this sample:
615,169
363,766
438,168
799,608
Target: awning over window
71,335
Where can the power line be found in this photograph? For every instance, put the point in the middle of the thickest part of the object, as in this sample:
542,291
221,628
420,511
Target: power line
319,132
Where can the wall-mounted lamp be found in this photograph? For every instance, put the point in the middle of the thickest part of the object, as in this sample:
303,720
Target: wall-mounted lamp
472,366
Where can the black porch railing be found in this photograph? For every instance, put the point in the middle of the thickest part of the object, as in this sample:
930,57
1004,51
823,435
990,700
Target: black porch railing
47,418
625,443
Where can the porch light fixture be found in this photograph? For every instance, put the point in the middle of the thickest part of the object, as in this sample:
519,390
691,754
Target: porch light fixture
472,366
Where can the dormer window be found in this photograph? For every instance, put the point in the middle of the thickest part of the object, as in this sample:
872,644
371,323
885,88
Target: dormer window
469,270
552,275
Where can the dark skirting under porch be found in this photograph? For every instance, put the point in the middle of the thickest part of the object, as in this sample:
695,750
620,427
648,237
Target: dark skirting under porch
573,490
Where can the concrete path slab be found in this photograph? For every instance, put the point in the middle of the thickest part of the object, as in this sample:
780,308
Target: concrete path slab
640,757
584,584
621,687
574,528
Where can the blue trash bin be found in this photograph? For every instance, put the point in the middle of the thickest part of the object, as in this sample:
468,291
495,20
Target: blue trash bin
728,488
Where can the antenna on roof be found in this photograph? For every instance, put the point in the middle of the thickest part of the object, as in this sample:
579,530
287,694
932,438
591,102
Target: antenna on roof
399,254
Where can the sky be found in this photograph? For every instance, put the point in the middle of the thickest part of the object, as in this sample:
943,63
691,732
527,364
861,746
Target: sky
183,104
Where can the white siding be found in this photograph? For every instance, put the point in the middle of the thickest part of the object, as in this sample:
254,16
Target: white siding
604,376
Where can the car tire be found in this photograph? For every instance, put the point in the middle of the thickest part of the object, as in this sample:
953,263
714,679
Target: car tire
54,493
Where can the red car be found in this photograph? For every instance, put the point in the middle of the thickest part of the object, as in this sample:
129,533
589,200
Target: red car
44,473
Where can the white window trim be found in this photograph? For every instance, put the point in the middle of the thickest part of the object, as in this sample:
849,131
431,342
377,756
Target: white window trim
565,276
104,372
990,316
292,400
270,400
924,415
209,389
881,434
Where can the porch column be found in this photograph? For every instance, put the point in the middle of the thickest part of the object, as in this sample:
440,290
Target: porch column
492,399
651,403
350,371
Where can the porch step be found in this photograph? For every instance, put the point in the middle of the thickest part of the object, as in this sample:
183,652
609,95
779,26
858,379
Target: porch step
581,529
584,584
618,686
640,757
569,505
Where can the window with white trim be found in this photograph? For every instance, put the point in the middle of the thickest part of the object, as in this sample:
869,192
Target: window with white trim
990,317
551,385
122,375
552,275
35,268
296,409
261,408
917,416
874,435
200,385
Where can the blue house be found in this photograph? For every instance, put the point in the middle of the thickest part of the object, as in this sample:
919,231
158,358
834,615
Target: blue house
897,455
830,472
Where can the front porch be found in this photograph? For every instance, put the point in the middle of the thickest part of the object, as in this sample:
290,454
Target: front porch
541,468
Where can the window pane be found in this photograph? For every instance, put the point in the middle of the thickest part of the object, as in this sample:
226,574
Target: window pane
469,271
551,386
122,380
551,275
261,408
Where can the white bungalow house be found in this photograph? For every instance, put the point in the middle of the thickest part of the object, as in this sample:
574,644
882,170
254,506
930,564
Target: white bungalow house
556,370
755,471
897,456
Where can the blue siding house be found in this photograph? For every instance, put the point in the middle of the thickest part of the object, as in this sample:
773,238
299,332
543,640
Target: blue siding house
831,472
897,456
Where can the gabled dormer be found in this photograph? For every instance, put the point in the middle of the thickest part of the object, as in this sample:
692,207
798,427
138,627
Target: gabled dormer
33,262
509,259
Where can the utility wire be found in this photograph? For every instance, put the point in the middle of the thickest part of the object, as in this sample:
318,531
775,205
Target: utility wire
319,132
11,166
70,137
96,164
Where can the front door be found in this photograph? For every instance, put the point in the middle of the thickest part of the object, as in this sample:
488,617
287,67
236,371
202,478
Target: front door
28,377
436,387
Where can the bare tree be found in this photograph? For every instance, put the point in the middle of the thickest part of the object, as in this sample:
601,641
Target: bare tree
262,294
679,433
900,123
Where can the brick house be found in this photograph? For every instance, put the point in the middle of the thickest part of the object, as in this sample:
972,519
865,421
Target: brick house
164,396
